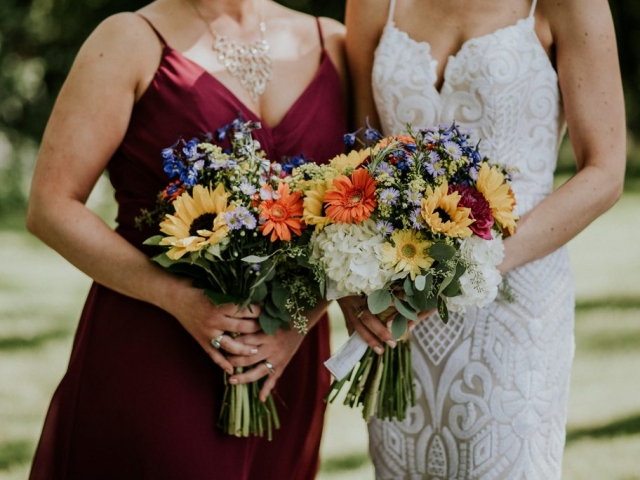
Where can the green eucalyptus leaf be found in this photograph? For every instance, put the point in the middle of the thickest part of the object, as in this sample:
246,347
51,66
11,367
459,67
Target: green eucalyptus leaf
408,286
268,323
259,293
399,326
275,312
218,298
155,240
420,282
453,289
405,309
378,301
279,295
399,276
418,301
255,258
445,282
441,252
443,310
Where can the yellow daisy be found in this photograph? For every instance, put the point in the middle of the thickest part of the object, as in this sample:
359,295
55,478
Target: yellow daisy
441,212
198,221
313,204
408,252
491,183
352,160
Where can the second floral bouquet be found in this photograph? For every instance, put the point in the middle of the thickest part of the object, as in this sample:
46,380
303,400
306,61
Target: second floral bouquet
414,222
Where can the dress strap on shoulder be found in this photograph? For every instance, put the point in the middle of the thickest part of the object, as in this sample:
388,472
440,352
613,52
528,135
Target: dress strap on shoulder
320,32
392,8
533,8
155,30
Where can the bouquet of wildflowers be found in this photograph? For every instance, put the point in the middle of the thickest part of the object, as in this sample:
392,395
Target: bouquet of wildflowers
415,222
232,224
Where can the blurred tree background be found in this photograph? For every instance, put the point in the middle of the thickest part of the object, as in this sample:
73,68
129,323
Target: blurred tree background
39,40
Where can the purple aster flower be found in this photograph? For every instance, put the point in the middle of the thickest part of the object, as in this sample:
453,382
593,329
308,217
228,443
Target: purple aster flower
435,169
247,188
416,219
256,267
198,164
414,197
268,194
232,220
384,167
453,149
385,228
389,196
249,221
433,137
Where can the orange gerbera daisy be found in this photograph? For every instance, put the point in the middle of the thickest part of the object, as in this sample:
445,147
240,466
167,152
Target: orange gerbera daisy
282,215
352,199
406,139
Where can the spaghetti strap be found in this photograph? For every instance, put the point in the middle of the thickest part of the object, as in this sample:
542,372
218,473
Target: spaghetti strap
533,8
320,32
155,30
392,8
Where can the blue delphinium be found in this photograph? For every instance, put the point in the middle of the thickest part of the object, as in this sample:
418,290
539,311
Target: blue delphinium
293,162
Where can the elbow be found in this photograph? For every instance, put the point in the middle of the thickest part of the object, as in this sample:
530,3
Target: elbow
31,221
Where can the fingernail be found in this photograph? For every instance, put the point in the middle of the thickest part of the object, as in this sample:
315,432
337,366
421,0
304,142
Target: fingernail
233,381
391,343
378,350
254,351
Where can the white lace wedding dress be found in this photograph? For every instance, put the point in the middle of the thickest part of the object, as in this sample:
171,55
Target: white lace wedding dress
492,384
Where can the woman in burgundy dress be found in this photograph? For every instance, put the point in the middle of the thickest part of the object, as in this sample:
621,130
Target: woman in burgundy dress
143,388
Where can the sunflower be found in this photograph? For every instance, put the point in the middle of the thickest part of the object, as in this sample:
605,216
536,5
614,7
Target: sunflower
198,221
352,160
313,203
282,215
441,212
408,252
352,199
491,183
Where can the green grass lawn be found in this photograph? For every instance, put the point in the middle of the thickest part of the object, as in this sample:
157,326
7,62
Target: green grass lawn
41,297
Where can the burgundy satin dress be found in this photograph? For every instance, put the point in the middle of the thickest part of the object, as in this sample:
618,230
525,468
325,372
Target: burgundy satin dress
140,398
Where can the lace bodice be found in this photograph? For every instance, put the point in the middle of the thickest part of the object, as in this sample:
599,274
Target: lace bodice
502,86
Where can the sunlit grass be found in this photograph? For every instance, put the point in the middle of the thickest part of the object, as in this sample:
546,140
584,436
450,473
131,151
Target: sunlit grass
41,297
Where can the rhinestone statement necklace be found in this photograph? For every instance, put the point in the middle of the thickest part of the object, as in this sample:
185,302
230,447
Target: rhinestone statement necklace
250,63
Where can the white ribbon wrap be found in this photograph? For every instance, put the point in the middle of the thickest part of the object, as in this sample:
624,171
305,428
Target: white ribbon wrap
347,356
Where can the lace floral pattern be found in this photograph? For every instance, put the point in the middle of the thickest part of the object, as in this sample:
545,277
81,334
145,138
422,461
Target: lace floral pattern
492,384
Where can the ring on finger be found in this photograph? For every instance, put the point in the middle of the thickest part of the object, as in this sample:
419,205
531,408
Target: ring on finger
270,367
217,342
359,310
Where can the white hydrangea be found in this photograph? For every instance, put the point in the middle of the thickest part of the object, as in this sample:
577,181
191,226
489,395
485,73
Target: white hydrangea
479,284
350,256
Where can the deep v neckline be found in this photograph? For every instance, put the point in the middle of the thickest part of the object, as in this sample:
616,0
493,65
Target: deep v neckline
324,58
463,47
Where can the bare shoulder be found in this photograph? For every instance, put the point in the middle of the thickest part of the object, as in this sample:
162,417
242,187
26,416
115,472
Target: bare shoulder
367,15
124,43
569,17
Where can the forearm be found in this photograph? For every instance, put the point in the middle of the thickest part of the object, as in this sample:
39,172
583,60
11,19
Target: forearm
562,215
89,244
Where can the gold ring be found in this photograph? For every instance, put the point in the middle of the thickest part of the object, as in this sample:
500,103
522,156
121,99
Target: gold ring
360,311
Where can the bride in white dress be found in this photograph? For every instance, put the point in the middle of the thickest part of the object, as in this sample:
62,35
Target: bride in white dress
492,384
